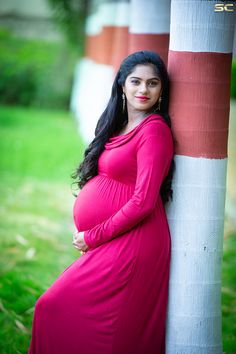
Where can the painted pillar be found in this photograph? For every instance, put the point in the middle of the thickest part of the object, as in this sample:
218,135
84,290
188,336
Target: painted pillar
120,43
106,24
150,26
199,66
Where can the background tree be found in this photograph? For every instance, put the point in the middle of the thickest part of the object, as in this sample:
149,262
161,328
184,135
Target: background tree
70,16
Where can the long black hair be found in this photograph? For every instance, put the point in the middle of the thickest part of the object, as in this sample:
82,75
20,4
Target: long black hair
113,119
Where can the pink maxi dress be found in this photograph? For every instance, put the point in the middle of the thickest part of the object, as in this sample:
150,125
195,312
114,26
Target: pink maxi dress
113,299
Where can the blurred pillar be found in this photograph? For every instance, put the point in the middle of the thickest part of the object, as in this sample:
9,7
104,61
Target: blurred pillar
94,72
199,66
106,44
150,26
120,42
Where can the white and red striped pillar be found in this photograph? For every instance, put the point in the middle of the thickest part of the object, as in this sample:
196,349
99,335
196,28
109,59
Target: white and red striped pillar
199,65
120,42
150,26
106,45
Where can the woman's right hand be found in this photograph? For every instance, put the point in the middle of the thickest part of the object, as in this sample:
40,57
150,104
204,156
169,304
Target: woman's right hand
79,243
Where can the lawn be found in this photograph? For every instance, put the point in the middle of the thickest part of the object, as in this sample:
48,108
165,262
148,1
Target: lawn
39,151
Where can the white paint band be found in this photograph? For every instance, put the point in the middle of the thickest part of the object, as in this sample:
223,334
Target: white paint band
91,80
196,221
108,14
151,17
196,27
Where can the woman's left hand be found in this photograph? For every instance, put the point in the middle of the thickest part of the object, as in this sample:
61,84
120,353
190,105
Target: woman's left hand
78,241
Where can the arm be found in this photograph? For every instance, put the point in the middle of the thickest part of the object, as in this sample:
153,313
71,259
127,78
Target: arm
154,155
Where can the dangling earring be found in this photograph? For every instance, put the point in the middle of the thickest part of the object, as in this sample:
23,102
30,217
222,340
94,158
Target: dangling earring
158,108
159,103
155,110
123,98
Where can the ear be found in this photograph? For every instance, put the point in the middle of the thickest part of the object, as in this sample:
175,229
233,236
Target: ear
123,88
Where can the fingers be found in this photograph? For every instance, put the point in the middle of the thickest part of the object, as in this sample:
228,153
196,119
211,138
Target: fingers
75,235
75,245
79,248
78,244
82,252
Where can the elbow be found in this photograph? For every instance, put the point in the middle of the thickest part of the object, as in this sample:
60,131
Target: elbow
147,209
139,208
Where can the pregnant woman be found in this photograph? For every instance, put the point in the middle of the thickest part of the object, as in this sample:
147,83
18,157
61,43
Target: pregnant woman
113,299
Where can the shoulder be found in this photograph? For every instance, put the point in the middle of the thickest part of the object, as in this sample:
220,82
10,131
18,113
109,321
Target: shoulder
155,133
155,125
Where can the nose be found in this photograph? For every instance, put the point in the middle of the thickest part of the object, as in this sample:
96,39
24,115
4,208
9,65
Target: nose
143,88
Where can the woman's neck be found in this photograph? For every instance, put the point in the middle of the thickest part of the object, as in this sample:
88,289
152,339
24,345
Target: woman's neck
135,117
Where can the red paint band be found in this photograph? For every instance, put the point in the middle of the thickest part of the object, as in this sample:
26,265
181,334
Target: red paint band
158,43
200,102
108,47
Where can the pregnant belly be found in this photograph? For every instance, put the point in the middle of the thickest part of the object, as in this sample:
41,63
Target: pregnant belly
98,200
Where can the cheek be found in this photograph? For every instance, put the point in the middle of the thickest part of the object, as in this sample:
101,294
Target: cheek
156,94
129,93
130,88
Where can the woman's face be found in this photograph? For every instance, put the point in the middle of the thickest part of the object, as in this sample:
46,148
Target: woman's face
142,88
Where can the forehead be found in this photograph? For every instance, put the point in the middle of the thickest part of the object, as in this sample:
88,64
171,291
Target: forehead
144,71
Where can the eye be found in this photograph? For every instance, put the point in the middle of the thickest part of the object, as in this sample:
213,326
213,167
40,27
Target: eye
153,83
135,81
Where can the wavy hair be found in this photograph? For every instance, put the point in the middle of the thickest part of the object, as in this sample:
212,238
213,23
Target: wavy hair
113,119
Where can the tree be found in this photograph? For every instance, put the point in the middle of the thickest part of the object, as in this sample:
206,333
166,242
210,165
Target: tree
70,16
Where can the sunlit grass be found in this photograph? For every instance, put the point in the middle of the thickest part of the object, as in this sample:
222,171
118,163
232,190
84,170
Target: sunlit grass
39,151
229,246
41,144
229,294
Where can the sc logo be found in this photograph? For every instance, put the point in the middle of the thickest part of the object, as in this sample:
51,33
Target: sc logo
224,7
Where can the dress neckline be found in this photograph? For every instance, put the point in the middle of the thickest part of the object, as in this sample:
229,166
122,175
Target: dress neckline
117,136
117,140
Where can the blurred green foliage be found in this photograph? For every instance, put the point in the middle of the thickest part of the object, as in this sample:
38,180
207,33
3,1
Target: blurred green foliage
233,79
35,72
70,16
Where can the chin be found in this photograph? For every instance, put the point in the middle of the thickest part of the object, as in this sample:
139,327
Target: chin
144,107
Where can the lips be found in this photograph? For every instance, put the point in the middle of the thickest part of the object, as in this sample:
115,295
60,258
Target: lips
142,98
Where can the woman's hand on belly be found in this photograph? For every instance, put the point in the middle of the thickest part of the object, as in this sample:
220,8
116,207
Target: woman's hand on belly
79,242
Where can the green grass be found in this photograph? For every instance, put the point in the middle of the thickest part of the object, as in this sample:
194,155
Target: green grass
39,151
229,295
38,144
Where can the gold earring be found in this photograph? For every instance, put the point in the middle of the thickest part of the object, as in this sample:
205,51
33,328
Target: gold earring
123,98
159,103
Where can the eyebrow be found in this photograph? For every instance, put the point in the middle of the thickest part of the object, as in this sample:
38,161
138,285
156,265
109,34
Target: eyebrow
153,78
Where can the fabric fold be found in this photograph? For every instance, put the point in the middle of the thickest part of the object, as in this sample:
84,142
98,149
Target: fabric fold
119,140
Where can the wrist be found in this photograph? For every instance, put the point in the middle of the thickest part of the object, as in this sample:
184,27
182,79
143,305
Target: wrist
87,239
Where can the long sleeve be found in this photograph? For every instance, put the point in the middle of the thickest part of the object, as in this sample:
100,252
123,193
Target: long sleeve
154,152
